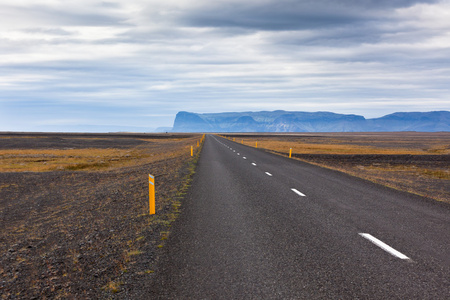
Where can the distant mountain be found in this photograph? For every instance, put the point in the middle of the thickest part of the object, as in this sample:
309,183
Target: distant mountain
294,121
412,121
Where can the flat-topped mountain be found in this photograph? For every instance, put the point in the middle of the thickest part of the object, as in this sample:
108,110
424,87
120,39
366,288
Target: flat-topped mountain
295,121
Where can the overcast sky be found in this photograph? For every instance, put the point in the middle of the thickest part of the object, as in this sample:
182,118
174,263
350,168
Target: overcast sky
139,62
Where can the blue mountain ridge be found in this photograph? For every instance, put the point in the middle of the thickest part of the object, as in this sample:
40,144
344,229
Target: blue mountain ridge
296,121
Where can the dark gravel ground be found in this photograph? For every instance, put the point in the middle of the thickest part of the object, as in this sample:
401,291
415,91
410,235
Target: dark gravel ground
79,140
84,235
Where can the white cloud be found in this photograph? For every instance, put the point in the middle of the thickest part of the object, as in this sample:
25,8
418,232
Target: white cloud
426,15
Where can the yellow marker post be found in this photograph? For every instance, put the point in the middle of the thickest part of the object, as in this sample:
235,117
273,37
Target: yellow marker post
192,151
256,145
242,142
151,200
290,152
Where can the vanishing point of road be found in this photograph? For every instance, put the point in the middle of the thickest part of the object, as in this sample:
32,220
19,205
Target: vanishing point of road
260,226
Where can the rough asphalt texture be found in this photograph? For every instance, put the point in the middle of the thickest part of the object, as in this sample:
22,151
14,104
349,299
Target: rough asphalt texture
246,235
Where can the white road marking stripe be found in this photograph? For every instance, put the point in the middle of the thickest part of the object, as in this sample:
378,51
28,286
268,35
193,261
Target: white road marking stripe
298,193
383,246
238,154
254,164
244,157
268,174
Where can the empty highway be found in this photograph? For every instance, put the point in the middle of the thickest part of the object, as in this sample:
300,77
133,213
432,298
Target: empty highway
259,226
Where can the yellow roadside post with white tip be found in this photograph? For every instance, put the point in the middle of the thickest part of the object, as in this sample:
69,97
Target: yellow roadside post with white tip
151,201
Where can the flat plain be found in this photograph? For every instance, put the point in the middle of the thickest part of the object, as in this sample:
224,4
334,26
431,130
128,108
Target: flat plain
74,210
74,207
416,162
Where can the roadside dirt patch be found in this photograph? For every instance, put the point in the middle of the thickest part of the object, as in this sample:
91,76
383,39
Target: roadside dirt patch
81,234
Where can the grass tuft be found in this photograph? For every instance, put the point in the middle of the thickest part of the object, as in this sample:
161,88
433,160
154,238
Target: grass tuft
134,252
113,286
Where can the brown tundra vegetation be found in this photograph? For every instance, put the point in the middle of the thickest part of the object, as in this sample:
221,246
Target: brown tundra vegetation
74,210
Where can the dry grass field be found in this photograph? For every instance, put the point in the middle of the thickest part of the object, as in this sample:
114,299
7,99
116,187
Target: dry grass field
411,161
74,210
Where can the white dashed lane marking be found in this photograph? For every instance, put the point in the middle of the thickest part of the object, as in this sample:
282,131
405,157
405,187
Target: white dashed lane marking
298,192
384,246
254,164
267,173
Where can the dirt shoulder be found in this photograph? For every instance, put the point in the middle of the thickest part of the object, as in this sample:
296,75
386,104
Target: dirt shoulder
85,234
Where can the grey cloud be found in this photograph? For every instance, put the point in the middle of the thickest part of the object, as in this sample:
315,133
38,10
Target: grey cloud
289,14
343,36
62,17
335,23
330,23
267,18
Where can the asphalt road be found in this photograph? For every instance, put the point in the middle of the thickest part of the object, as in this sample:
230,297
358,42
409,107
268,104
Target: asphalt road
259,226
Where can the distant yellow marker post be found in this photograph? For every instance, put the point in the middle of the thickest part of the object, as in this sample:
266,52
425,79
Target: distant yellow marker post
290,152
151,201
256,145
192,151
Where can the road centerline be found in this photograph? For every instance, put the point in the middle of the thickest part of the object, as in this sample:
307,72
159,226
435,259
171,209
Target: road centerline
267,173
